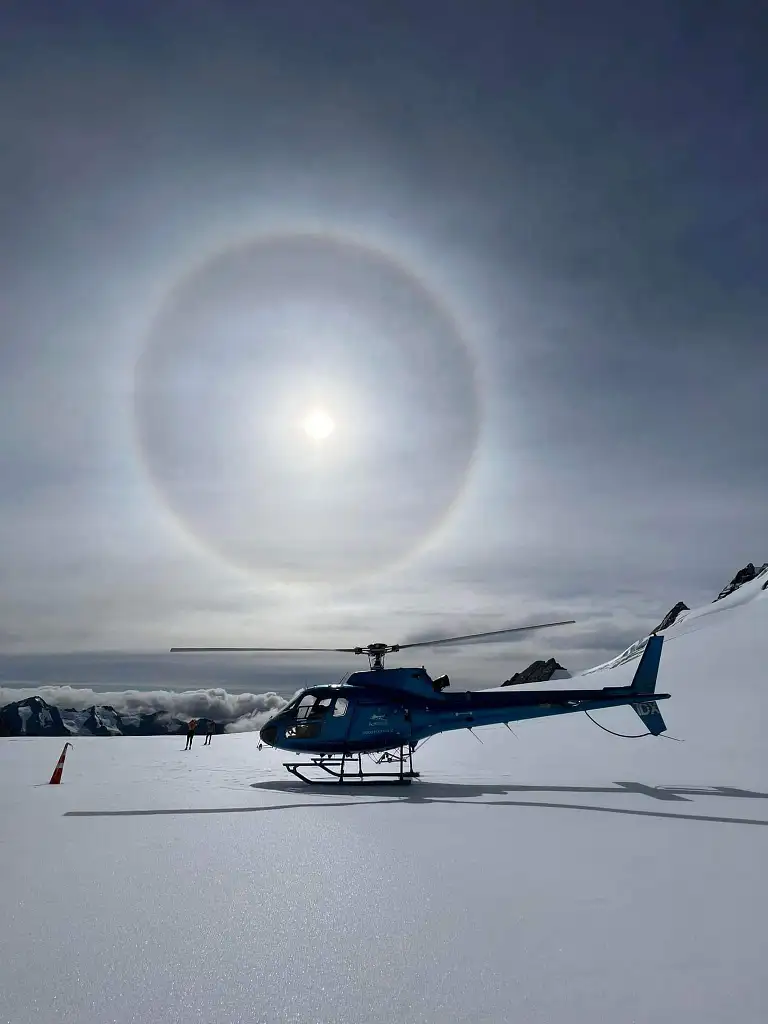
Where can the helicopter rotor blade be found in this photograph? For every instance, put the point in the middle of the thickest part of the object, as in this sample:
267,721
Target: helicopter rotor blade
477,636
373,649
317,650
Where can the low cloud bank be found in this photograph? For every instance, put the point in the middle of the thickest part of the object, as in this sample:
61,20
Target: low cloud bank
239,712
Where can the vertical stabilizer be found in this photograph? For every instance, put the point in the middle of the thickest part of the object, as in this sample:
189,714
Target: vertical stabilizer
644,682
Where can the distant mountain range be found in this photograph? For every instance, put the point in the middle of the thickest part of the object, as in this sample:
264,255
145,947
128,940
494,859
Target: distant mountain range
33,716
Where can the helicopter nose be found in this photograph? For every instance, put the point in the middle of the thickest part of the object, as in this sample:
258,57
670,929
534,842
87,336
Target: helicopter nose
268,734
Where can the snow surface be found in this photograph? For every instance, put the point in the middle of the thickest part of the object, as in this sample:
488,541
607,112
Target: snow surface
561,876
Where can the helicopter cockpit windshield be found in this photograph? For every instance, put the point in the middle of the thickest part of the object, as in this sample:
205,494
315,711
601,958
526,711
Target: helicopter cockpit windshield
309,712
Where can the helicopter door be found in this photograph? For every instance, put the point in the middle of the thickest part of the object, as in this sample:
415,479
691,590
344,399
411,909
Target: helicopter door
336,721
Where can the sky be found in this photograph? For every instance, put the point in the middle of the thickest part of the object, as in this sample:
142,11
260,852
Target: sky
514,254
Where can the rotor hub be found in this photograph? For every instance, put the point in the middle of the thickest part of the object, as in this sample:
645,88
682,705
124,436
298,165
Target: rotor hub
376,653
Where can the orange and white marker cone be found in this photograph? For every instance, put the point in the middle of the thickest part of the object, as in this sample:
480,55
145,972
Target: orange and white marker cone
56,777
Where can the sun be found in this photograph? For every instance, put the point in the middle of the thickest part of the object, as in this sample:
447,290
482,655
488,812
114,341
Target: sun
318,425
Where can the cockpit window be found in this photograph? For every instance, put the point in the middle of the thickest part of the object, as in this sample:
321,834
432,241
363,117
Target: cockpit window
305,706
341,707
311,706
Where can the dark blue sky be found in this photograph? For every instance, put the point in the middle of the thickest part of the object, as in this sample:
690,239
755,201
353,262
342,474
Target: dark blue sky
576,192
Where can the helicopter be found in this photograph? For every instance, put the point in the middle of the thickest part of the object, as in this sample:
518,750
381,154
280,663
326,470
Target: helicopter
389,712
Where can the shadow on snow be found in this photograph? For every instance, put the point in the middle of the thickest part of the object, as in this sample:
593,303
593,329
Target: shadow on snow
454,793
421,791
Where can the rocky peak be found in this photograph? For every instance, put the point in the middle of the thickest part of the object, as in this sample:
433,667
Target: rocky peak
745,575
537,672
672,616
31,716
101,721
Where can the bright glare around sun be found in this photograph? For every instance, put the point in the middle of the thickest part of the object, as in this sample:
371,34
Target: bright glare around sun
318,425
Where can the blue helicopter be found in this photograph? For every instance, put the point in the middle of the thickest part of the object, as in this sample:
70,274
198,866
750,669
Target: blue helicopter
389,712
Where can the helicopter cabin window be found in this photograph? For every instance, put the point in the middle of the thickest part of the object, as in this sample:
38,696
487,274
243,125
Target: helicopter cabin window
341,707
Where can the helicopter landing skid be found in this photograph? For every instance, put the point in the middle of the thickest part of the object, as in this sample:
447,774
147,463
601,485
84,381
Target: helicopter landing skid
347,769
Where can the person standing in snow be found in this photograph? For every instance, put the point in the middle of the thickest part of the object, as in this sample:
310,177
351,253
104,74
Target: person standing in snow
209,731
191,726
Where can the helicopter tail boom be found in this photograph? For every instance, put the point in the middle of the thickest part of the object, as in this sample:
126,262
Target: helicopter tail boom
475,713
493,707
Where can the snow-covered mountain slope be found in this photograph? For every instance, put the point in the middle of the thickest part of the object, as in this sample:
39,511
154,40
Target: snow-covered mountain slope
733,596
560,876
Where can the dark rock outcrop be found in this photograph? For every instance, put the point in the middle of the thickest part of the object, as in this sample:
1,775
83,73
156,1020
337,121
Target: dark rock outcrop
32,717
672,616
537,672
745,575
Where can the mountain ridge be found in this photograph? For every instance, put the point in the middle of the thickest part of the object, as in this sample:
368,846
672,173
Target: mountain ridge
34,716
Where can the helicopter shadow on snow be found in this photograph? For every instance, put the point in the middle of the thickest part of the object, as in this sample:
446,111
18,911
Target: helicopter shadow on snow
422,792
